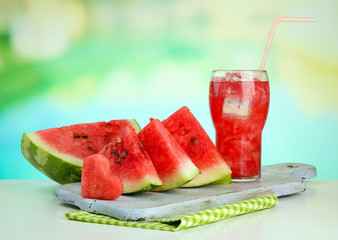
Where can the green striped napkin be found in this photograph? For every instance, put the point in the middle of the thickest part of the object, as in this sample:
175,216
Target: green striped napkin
183,221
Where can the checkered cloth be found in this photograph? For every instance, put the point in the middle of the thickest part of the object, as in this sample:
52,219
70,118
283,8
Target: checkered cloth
183,221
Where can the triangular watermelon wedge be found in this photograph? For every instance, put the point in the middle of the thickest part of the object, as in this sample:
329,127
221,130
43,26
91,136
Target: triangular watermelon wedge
59,152
129,160
189,133
173,165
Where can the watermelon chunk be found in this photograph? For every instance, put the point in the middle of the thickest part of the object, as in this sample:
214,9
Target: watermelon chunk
189,133
131,163
97,181
59,152
172,164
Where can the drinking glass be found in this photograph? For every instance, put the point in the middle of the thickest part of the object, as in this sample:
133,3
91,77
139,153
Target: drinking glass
239,103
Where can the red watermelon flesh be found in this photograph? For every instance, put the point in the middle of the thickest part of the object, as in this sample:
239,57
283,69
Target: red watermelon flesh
82,140
129,160
172,164
97,181
191,136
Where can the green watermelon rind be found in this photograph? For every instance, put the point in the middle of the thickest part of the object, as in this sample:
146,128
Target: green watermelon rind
61,170
148,187
185,175
226,180
134,124
213,175
57,166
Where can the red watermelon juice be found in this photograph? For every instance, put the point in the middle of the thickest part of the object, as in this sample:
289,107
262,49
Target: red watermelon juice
239,103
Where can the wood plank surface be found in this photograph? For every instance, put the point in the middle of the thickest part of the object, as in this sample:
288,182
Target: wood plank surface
279,179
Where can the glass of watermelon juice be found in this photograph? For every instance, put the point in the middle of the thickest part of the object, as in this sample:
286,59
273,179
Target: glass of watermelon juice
239,104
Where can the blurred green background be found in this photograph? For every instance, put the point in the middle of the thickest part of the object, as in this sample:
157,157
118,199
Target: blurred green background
64,62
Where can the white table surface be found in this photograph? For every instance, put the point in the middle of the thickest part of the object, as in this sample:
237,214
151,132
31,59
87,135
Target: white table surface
30,210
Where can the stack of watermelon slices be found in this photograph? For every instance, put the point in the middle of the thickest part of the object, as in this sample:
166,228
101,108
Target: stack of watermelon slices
176,152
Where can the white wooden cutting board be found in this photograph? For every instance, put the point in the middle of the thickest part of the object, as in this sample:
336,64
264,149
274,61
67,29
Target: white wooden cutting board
280,179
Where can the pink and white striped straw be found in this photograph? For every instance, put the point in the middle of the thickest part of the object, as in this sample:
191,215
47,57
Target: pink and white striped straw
272,32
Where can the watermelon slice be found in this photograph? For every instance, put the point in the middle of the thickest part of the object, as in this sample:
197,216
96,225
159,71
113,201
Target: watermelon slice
189,133
97,181
131,163
59,152
172,164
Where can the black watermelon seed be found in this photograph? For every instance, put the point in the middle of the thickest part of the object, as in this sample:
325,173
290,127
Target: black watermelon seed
115,153
118,160
77,136
84,136
194,140
124,154
141,146
91,149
